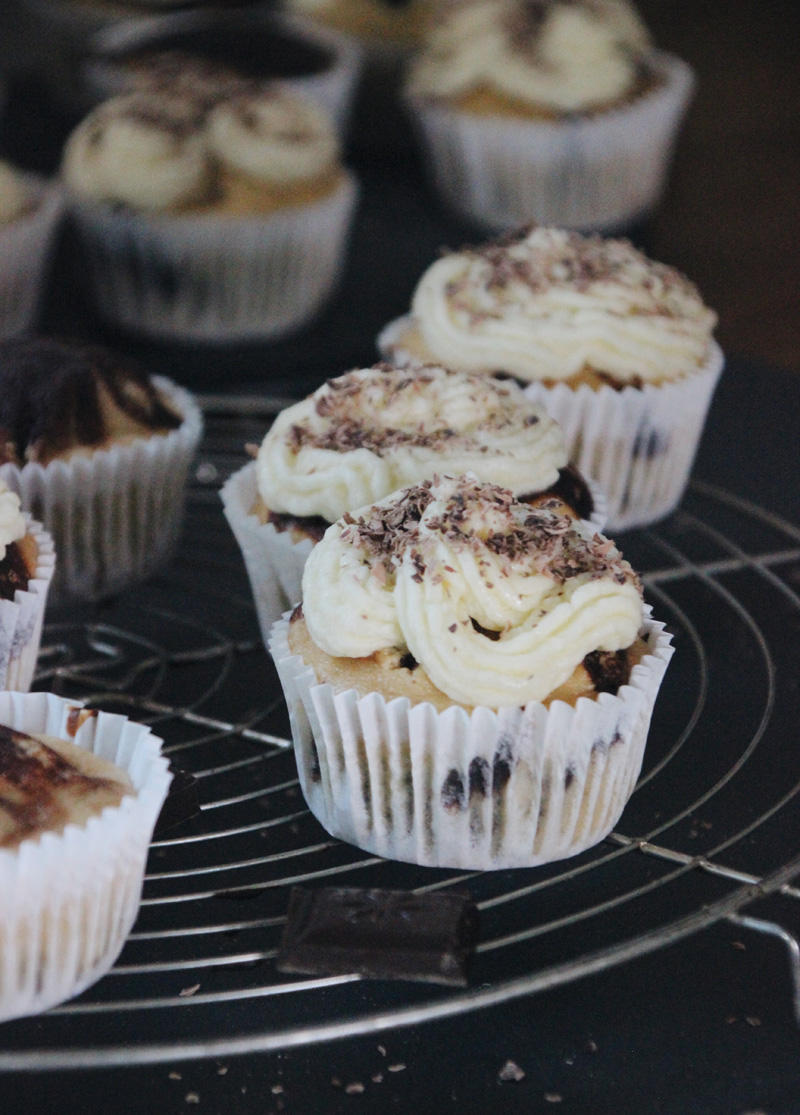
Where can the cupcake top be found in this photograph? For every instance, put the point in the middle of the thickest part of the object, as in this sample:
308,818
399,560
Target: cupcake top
12,521
373,430
47,784
547,304
178,73
14,194
561,55
59,399
163,152
497,601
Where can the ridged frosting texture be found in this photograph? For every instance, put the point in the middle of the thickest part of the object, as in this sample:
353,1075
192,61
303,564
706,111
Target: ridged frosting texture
365,434
561,55
274,137
14,195
12,523
498,602
158,152
548,303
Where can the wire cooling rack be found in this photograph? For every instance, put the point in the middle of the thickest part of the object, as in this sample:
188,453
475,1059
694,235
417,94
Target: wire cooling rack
713,825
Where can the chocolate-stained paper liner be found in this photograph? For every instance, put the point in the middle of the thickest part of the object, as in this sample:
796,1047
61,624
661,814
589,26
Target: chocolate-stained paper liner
115,515
480,791
638,444
587,172
25,249
207,277
333,88
275,562
21,618
68,901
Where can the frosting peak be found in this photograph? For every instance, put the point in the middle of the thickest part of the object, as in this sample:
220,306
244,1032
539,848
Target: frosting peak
373,430
498,602
546,303
561,55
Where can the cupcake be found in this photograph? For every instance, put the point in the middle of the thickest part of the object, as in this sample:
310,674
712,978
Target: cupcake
363,435
29,214
100,453
558,111
617,348
191,48
210,218
80,792
470,680
27,561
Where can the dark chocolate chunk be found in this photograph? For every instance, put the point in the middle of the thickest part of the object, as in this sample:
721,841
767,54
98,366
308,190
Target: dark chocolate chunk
609,669
181,803
383,934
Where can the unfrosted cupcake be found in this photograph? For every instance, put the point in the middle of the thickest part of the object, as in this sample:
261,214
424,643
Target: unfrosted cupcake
100,453
29,215
80,792
470,680
617,348
361,436
558,111
210,218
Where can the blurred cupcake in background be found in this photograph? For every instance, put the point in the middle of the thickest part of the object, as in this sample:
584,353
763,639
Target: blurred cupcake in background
30,210
99,452
191,51
558,111
365,434
210,218
617,348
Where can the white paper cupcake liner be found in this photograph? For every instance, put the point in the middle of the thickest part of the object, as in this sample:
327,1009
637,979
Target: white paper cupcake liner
115,515
215,278
275,561
68,901
481,791
590,172
639,444
333,88
25,249
21,618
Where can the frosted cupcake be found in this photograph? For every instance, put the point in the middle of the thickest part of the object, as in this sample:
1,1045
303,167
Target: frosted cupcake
558,111
616,347
27,561
361,436
29,214
100,453
470,680
210,219
80,792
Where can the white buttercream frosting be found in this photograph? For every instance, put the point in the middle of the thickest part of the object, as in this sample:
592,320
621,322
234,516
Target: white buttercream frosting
14,194
562,55
365,434
497,601
549,303
12,522
274,136
141,149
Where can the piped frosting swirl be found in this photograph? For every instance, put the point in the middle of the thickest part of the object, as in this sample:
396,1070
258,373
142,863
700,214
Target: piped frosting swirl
368,432
547,303
497,601
561,55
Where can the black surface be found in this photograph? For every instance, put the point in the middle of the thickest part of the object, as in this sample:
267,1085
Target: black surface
702,1027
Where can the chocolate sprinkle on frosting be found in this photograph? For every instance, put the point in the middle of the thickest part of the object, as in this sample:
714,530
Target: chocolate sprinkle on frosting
50,401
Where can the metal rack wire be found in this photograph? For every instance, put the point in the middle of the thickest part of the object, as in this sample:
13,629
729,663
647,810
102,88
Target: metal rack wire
710,828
